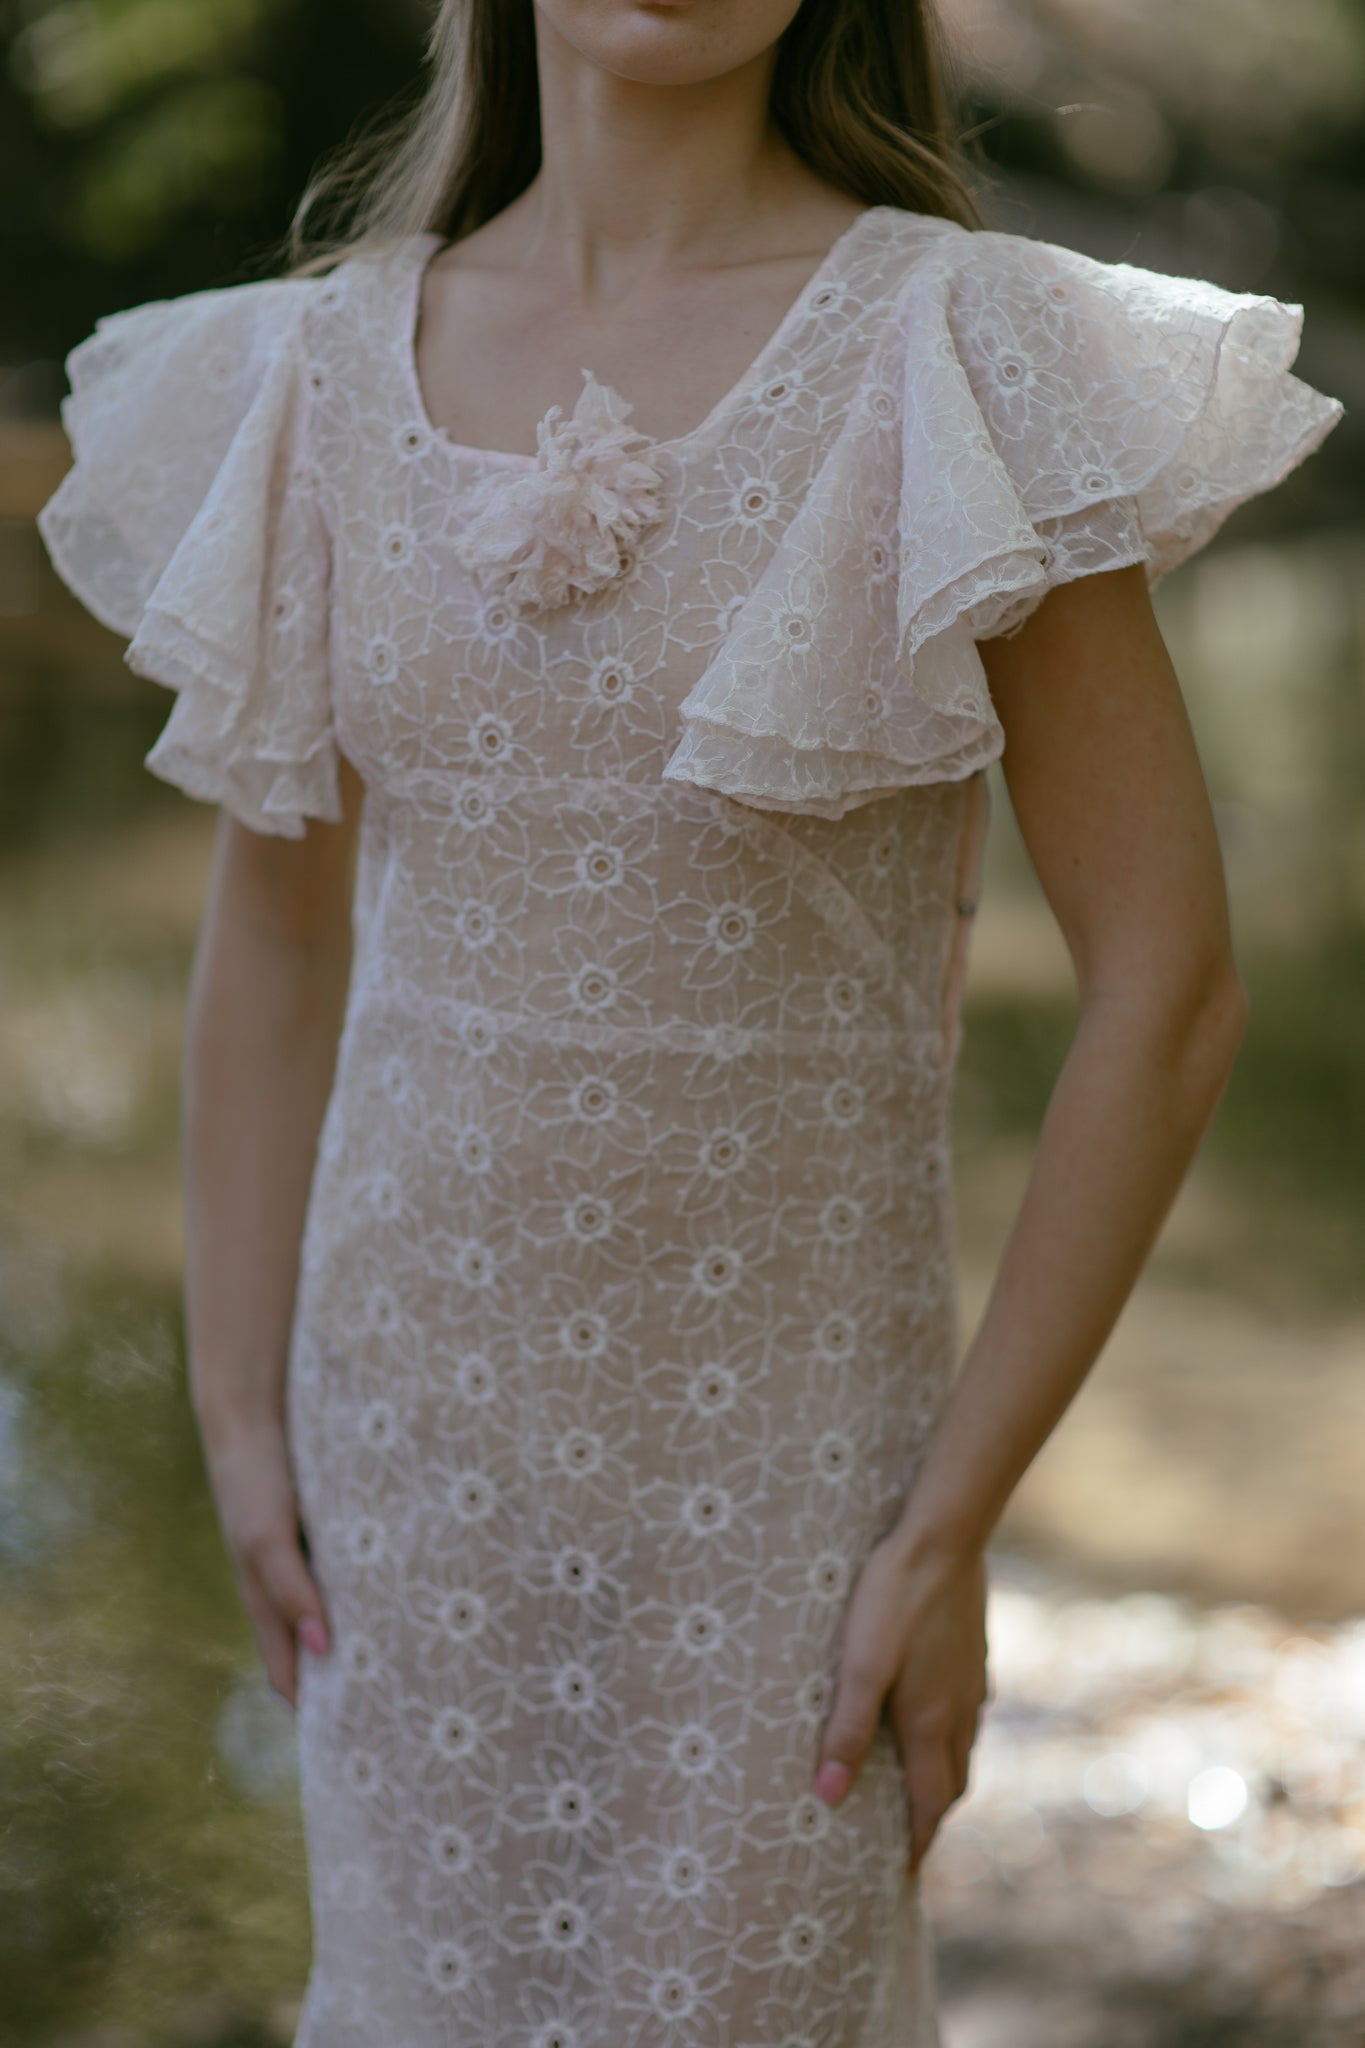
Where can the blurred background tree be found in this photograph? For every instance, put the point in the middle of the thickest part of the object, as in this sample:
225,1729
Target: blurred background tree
158,143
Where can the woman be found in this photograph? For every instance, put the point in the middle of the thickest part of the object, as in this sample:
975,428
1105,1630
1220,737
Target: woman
573,1362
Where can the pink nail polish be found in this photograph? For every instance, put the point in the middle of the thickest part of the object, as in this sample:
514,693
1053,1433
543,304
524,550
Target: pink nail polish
832,1781
313,1635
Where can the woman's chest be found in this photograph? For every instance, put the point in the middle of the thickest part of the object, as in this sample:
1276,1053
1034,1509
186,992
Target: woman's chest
564,643
494,349
436,667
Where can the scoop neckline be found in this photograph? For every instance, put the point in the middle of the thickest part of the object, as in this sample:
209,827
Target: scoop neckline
425,247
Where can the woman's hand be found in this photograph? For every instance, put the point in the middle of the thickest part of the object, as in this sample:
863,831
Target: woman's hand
253,1488
914,1639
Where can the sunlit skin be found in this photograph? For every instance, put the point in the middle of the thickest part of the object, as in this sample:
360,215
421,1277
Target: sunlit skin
665,236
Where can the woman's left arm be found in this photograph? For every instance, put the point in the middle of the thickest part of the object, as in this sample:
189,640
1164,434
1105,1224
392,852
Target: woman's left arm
1110,798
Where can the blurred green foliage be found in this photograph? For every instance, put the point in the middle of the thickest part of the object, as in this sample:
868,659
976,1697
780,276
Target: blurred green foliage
136,1873
84,61
1284,1140
161,145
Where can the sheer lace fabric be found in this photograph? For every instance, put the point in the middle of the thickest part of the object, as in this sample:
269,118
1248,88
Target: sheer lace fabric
627,1298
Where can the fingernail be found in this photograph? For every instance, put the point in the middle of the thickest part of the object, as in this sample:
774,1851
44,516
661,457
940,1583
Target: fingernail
832,1781
313,1635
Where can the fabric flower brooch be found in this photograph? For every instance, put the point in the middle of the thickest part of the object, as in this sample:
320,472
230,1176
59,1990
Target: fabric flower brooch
535,536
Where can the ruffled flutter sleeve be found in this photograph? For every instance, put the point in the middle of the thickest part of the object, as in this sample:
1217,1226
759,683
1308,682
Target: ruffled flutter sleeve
1130,412
190,522
1028,415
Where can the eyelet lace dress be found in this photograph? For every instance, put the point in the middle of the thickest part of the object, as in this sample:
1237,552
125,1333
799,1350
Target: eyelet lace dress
626,1302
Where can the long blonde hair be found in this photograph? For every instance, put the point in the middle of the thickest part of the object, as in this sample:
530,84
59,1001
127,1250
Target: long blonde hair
861,91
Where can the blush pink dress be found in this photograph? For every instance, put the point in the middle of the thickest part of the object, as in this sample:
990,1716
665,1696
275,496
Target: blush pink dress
627,1298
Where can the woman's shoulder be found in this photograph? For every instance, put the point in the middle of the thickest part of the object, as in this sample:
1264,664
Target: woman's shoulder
248,302
1089,372
992,258
258,313
1026,415
1003,275
186,371
189,356
171,402
905,260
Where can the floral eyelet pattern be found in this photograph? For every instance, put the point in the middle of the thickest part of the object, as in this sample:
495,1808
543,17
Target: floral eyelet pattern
626,1302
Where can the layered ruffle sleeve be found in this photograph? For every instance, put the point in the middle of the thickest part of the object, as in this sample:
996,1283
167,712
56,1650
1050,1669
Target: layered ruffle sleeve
190,522
1028,415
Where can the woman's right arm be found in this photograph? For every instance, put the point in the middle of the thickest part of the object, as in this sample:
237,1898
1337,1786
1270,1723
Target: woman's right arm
267,999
